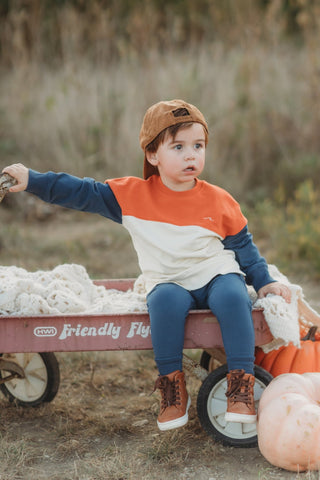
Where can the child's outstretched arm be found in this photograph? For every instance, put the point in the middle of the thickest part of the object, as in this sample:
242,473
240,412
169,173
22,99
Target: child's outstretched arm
20,173
84,194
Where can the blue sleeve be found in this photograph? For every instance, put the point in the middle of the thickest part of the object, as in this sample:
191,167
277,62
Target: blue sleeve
247,255
84,194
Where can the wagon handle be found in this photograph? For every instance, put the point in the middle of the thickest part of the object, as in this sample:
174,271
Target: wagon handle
311,333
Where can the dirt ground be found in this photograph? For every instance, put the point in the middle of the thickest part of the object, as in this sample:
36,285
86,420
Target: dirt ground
102,423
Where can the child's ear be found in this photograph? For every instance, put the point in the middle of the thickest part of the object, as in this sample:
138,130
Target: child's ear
152,158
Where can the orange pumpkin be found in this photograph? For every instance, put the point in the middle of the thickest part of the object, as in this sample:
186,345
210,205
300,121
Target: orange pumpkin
291,359
288,424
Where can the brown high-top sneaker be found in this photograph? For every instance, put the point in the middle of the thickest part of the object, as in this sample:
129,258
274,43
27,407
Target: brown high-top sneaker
240,397
175,400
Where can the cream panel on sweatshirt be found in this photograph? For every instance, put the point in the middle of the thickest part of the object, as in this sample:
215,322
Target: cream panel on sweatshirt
187,255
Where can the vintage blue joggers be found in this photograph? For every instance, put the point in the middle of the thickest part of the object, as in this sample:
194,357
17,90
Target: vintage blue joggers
226,296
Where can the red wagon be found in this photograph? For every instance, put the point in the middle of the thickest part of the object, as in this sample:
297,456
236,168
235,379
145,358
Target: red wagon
29,370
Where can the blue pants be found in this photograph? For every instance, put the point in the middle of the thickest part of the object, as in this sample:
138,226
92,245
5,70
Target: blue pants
226,296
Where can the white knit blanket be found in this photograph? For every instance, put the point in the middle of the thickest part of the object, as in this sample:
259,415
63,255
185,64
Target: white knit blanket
282,317
67,289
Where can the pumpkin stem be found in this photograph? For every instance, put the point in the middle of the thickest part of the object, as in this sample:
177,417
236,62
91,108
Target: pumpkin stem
311,333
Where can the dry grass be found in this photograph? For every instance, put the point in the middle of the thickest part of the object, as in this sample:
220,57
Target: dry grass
103,247
102,426
96,427
54,32
261,103
260,99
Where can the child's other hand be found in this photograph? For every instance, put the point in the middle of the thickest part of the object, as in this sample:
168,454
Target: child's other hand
20,173
275,288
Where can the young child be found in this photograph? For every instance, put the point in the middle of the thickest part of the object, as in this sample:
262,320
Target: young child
193,247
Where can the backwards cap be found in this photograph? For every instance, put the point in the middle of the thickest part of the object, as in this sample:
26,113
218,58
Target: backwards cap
161,116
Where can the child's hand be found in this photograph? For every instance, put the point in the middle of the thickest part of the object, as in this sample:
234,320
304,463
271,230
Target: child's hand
275,288
20,173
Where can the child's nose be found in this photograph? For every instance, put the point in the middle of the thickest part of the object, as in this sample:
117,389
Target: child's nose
189,154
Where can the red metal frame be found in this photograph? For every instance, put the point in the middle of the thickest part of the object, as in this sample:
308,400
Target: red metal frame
130,331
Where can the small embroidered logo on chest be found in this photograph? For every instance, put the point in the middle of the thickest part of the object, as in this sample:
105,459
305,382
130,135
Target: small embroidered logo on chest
210,219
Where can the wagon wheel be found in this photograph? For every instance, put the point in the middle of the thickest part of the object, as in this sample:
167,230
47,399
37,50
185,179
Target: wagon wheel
211,358
212,405
40,382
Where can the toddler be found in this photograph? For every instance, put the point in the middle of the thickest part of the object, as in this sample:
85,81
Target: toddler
193,245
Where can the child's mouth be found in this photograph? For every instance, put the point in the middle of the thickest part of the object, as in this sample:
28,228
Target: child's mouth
189,169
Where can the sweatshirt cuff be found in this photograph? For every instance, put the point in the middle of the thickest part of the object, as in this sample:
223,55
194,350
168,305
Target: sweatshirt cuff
32,181
262,280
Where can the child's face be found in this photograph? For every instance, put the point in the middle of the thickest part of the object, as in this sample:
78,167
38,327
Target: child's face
182,159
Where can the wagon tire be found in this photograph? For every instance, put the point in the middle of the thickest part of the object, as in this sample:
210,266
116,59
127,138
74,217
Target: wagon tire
41,381
212,404
206,361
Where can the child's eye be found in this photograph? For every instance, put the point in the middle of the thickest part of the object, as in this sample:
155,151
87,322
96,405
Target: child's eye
197,146
178,146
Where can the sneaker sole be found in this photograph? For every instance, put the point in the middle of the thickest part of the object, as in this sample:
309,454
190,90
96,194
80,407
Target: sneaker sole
178,422
240,418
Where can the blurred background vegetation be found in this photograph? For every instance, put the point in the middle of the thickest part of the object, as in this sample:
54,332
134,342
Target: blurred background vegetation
76,77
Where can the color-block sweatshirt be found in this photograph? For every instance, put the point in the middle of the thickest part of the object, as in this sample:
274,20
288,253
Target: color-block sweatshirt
185,237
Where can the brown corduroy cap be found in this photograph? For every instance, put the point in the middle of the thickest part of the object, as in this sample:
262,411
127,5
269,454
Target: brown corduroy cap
161,116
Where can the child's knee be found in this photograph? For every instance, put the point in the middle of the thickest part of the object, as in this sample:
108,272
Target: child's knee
169,297
236,296
232,298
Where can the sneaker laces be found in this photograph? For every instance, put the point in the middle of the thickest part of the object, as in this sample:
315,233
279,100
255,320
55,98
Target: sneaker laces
239,388
170,391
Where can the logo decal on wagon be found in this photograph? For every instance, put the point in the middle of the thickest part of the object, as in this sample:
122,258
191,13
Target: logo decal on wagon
45,331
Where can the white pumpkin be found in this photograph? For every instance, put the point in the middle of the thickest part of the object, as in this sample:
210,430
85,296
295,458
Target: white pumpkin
288,424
